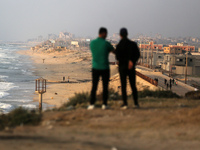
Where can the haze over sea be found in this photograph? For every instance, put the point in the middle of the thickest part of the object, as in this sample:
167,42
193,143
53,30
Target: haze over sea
16,78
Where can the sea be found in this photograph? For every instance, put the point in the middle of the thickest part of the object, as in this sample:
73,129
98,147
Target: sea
17,79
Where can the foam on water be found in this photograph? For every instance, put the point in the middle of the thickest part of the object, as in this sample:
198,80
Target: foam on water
6,86
19,100
5,108
28,106
3,94
15,68
3,77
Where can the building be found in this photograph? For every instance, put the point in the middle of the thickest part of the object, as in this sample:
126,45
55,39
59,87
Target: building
40,38
52,36
151,45
146,57
65,35
157,60
199,49
173,50
178,49
115,37
177,64
74,43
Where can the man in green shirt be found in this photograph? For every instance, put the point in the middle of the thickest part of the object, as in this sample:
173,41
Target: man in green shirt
100,49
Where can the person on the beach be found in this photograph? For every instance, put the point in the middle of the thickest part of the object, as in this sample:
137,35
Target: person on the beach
100,49
170,85
127,54
167,86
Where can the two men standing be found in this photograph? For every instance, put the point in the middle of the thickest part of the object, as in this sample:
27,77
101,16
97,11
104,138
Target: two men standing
127,54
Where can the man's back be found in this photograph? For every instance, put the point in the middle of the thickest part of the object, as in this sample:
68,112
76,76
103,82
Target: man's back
100,49
127,50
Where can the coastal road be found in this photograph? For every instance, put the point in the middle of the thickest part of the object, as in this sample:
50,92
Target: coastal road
180,89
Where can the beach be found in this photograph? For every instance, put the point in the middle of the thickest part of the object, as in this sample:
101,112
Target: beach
73,65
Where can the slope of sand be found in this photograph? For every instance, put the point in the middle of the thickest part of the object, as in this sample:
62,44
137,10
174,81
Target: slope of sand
74,65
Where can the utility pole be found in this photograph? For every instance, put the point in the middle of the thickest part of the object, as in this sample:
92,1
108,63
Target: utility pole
151,57
148,57
186,64
143,53
169,64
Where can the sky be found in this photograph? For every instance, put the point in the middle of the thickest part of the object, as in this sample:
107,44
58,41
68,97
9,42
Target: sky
24,19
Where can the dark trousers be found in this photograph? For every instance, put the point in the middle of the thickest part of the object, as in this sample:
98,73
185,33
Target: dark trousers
124,72
96,74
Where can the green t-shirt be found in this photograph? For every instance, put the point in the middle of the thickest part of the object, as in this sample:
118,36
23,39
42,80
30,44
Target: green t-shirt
100,49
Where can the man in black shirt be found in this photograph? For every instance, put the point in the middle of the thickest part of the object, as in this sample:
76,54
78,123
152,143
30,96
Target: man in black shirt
127,54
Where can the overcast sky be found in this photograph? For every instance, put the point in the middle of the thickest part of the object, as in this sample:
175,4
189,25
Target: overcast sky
23,19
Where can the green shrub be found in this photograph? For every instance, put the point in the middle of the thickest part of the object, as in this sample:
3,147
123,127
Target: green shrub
84,97
157,94
193,95
19,116
77,99
112,95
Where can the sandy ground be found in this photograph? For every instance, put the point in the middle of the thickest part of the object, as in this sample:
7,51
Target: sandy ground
160,124
73,64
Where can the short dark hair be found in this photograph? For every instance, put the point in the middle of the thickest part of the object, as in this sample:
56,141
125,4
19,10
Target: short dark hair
102,30
123,32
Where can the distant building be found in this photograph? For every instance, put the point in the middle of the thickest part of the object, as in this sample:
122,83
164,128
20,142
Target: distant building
115,37
151,45
156,57
40,38
74,43
178,49
65,35
177,64
199,49
52,36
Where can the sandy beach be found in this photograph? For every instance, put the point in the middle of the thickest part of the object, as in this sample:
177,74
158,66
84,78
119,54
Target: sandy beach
72,64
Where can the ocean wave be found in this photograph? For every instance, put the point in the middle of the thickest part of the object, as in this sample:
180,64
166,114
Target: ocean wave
4,87
5,108
13,68
5,62
19,100
28,106
3,77
3,94
27,72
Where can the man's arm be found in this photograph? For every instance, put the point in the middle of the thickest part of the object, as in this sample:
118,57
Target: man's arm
134,54
111,48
